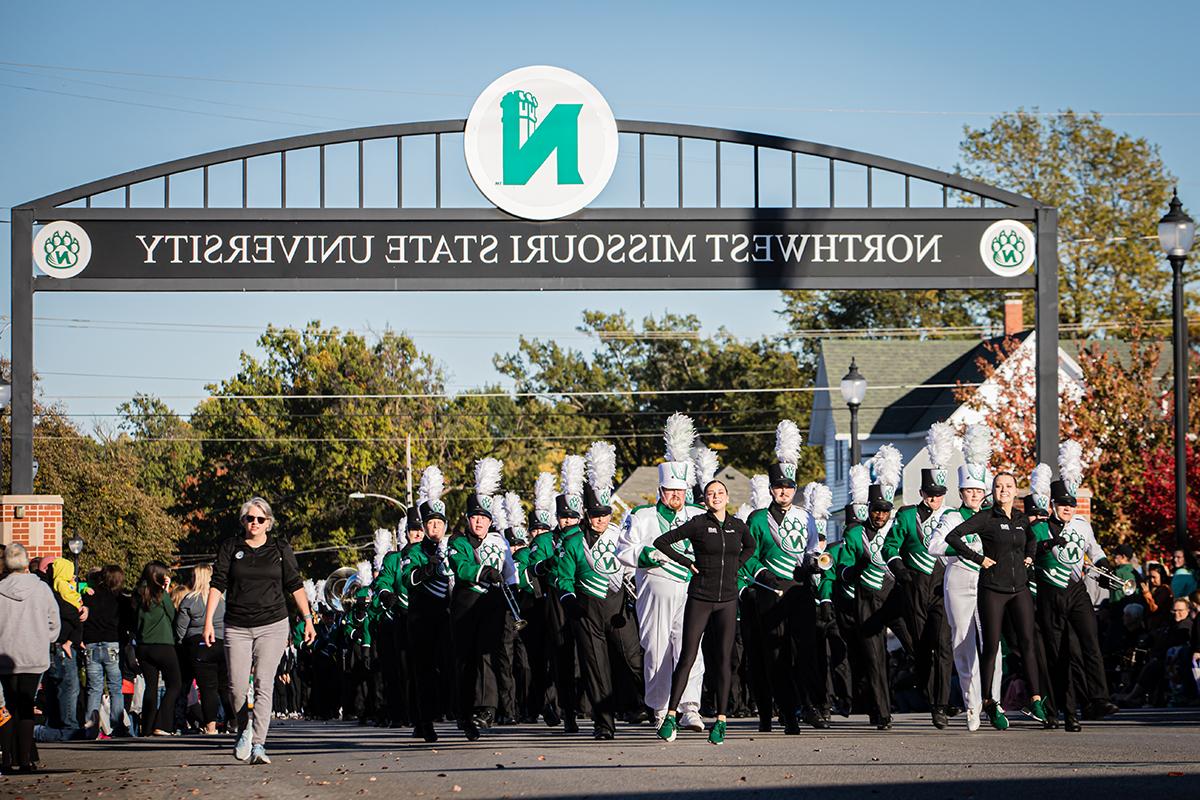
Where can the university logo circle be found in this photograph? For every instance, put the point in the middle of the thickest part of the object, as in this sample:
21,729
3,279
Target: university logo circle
1070,553
62,249
541,142
1008,248
793,535
605,557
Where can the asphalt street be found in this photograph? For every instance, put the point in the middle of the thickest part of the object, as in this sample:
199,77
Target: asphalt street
1139,755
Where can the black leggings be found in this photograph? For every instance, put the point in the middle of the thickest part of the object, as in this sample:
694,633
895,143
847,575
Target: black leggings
155,659
696,616
993,606
212,678
16,737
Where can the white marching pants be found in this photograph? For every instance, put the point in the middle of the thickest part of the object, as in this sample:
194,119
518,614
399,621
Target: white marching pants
660,603
962,587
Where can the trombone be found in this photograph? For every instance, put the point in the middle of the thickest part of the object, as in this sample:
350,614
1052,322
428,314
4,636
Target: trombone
1128,585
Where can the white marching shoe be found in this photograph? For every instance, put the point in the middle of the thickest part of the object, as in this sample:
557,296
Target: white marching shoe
972,719
691,721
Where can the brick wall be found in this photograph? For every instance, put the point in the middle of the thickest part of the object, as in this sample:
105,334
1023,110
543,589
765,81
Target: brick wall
34,520
1083,504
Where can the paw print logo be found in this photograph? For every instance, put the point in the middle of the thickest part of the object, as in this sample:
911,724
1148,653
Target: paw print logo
62,249
1008,249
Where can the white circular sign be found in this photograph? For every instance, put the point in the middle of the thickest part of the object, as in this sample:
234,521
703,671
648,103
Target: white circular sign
541,142
1008,248
62,249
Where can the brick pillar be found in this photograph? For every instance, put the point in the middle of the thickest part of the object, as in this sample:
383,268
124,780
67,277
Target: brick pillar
34,520
1083,504
1014,314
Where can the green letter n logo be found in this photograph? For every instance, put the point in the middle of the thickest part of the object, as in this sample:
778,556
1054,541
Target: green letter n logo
559,131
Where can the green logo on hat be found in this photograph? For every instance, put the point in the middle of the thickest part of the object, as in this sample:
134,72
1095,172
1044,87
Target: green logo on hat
574,502
788,470
940,477
438,507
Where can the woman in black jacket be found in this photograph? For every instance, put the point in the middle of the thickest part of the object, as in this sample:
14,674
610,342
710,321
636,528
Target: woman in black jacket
1009,545
722,544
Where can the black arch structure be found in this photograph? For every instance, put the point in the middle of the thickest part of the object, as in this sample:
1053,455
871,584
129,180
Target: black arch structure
967,208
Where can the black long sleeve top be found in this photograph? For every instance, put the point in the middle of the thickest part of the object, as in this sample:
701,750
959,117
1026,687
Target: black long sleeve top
255,580
1007,540
720,548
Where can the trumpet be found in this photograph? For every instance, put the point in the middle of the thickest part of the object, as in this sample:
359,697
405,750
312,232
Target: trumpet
518,623
1128,585
824,561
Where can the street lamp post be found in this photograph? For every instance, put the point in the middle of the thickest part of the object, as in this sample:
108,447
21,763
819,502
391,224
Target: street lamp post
854,390
1176,232
403,508
75,547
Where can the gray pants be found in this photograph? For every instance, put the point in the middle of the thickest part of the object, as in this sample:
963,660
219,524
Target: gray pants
255,650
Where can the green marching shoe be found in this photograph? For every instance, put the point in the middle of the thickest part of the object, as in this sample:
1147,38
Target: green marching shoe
996,716
717,734
668,729
1038,709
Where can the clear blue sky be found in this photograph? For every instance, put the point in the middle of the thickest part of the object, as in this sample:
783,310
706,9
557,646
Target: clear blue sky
757,66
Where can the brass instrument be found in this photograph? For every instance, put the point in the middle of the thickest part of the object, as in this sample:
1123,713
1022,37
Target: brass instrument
1128,585
518,623
824,561
340,587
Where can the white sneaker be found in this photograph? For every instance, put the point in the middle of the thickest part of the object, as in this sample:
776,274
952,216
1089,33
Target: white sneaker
691,721
659,716
241,750
259,755
972,719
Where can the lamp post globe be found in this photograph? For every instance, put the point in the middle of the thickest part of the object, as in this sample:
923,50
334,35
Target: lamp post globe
854,391
1176,232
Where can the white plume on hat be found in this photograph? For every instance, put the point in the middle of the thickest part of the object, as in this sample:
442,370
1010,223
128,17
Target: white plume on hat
319,590
1070,463
707,464
433,483
514,510
1039,481
383,546
572,475
499,513
487,476
788,442
760,497
977,445
543,493
364,572
807,495
678,434
819,500
888,466
310,591
940,441
860,483
601,460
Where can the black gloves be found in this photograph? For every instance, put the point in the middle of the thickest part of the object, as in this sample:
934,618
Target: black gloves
825,614
387,598
489,574
1058,540
900,570
804,569
571,607
851,573
767,579
541,568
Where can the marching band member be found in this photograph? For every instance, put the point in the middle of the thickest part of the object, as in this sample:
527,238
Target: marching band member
1064,606
961,579
591,582
779,565
1007,546
860,563
482,565
721,545
661,583
537,635
825,655
426,573
919,575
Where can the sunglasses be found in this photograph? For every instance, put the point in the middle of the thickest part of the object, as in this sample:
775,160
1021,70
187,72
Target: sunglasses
252,518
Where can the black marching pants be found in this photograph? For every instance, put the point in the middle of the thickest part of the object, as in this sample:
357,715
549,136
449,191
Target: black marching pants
478,620
878,610
562,642
930,630
1061,613
536,638
1018,607
773,638
755,653
155,660
429,638
845,614
608,641
697,616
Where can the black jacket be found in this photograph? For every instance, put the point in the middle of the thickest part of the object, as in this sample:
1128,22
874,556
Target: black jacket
1006,540
721,548
255,581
